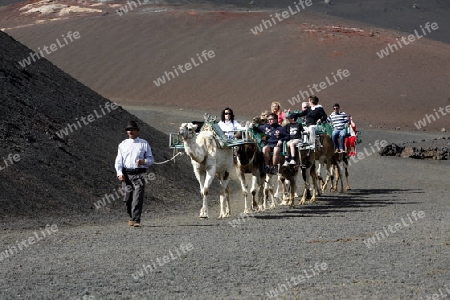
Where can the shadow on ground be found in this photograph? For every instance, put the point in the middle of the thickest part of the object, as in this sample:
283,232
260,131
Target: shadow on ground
337,203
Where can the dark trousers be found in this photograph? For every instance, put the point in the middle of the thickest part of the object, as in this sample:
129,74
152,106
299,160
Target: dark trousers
133,187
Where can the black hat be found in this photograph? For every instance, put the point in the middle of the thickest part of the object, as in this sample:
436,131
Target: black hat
132,125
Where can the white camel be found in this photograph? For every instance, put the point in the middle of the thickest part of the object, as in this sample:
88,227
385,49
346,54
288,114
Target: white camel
208,159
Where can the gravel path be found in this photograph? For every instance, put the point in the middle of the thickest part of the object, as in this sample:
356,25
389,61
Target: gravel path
317,251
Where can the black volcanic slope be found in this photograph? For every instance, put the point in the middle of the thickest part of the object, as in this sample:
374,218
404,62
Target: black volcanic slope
62,177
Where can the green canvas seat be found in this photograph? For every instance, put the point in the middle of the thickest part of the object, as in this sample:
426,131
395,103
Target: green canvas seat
175,142
225,141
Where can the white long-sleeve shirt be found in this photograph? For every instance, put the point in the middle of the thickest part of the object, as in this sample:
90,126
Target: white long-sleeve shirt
130,150
229,127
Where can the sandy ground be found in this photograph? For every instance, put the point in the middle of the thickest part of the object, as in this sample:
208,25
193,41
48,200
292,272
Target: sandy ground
121,57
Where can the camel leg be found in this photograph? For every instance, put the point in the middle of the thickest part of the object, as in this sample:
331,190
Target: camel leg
204,209
297,182
227,199
224,196
267,191
284,192
303,200
273,204
319,173
222,213
256,187
324,183
339,179
204,192
346,179
208,180
314,183
334,177
241,177
259,197
292,189
265,197
289,193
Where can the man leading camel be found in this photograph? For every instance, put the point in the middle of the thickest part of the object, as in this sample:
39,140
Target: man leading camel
134,156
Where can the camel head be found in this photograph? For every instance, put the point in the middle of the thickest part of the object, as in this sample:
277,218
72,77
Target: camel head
187,130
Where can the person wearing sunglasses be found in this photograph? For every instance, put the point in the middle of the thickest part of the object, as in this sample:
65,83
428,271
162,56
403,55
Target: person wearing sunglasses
275,135
228,124
339,121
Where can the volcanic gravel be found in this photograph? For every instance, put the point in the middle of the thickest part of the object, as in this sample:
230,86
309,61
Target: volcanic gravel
93,254
192,258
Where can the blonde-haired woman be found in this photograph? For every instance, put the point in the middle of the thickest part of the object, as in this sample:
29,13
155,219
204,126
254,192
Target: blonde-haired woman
276,109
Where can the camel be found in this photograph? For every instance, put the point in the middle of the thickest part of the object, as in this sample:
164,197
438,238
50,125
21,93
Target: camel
271,188
208,159
268,184
326,156
248,159
288,177
307,160
341,165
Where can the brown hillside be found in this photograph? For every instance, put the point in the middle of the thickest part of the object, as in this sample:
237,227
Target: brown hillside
121,56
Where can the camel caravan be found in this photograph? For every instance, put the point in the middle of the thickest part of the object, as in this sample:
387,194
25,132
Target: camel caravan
276,172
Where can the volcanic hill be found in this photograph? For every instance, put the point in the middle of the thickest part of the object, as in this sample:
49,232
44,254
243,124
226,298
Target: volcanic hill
47,173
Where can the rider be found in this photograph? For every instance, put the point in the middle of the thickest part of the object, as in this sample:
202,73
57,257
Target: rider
227,123
315,114
350,141
294,129
276,109
339,120
275,135
305,106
